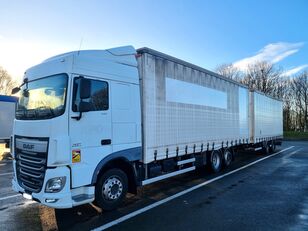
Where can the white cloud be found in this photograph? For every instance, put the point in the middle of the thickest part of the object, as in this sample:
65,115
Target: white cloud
295,70
274,53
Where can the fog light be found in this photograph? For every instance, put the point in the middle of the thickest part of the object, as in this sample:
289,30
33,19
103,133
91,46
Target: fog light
27,196
55,184
51,200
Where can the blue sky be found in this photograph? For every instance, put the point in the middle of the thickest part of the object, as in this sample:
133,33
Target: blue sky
206,33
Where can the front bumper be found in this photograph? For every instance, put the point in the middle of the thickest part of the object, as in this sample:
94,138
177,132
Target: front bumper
62,199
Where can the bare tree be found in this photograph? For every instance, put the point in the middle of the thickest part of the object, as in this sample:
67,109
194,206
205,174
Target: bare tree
6,82
261,76
269,79
229,71
286,93
264,77
300,93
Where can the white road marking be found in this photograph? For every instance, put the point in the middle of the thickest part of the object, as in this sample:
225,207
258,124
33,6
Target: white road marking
292,153
5,174
8,197
2,164
17,204
151,206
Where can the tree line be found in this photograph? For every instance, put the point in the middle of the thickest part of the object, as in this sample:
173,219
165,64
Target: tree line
271,80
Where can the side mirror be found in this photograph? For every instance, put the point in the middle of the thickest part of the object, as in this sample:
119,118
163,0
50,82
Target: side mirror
85,106
84,93
15,90
85,88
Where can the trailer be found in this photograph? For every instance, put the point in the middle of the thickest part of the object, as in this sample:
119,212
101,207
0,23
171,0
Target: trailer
266,121
7,115
123,118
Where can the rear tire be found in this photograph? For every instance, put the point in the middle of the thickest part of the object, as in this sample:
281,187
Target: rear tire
272,147
227,157
111,189
265,148
215,161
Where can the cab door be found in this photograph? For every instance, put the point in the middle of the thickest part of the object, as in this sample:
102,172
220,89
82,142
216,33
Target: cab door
90,131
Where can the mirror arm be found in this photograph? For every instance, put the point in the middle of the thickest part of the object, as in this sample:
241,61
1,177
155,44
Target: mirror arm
77,117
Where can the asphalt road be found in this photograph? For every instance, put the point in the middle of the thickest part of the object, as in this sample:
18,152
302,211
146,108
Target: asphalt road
271,194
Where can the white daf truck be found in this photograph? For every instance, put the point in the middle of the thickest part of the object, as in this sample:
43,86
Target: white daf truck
93,125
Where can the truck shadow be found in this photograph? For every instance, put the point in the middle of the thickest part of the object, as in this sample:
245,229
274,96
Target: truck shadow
68,218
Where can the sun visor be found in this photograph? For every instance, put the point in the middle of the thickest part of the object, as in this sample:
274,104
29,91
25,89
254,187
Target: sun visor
125,50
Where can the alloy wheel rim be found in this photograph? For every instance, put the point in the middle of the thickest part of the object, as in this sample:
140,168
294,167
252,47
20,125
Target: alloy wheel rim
112,188
215,160
228,157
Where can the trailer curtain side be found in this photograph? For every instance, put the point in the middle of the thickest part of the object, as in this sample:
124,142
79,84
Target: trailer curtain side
266,117
185,109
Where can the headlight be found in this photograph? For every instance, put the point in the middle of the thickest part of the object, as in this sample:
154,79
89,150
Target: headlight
55,184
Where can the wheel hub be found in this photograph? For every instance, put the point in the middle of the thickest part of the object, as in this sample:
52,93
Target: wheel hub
215,160
112,188
228,157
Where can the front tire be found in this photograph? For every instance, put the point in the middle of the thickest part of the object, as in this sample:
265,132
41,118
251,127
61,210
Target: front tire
111,189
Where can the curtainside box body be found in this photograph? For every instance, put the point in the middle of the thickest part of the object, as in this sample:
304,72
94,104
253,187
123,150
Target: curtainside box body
266,122
187,109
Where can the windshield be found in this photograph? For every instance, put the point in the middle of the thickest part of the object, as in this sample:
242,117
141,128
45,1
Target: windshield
42,98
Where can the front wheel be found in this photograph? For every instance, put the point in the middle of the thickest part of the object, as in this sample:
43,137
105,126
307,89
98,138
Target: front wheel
111,189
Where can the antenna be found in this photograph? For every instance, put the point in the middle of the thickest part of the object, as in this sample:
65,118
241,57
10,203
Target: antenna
81,40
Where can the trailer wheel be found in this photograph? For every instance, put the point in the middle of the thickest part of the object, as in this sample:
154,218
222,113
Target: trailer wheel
215,161
227,157
265,148
111,189
272,146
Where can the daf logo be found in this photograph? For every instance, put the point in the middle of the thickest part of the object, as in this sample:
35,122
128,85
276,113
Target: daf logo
28,146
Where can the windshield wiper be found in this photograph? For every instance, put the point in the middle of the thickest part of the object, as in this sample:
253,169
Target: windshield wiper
30,114
20,113
37,113
45,111
25,114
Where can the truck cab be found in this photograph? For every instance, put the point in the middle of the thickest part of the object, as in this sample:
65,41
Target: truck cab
78,116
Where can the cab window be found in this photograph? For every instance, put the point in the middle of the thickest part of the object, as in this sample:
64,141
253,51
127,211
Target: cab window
99,98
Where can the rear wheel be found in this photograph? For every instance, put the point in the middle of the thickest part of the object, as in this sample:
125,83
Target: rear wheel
227,157
272,146
215,161
266,148
111,189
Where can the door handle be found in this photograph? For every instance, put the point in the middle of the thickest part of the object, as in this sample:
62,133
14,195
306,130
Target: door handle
106,142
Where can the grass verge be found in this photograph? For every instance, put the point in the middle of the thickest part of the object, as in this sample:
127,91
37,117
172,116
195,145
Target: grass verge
293,135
